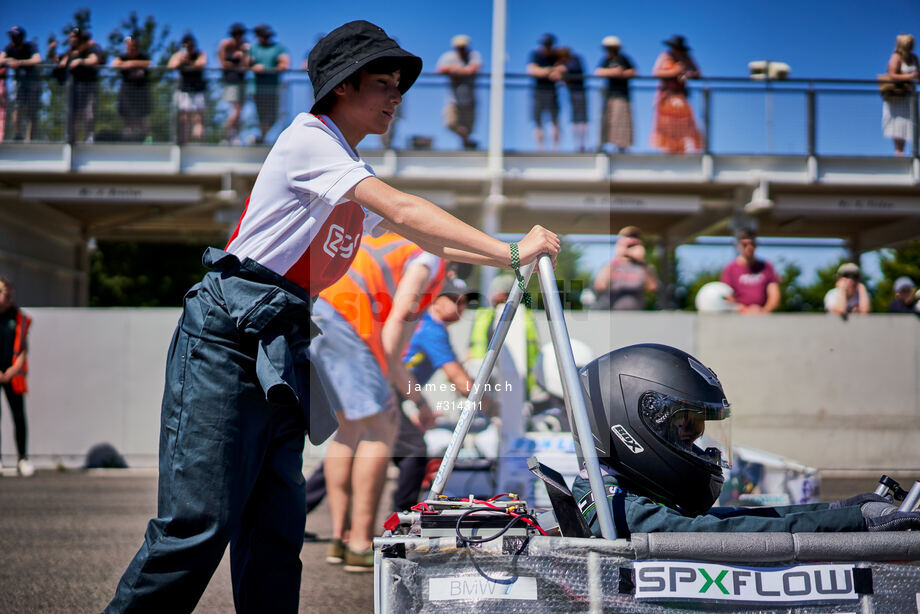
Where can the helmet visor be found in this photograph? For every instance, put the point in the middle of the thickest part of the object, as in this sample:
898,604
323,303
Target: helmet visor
695,428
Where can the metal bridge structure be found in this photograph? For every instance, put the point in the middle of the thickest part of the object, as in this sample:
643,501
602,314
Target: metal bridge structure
57,195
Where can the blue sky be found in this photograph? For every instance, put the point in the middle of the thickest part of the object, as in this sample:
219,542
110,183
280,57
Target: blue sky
819,38
849,39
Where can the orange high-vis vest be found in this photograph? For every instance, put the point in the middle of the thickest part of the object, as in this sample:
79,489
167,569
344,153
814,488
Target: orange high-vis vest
23,322
364,296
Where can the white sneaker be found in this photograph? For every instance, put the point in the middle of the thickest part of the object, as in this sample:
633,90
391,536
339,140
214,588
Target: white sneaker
25,468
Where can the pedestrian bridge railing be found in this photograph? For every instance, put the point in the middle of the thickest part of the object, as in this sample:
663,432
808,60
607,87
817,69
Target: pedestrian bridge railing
824,117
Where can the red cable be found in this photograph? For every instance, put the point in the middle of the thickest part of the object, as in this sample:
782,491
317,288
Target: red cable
512,514
423,507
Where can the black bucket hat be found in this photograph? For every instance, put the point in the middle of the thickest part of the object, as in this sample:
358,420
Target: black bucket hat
348,48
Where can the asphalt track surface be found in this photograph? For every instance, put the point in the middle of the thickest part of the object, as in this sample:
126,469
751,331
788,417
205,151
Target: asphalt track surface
66,538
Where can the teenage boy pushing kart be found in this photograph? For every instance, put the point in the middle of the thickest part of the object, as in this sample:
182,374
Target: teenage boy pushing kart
238,398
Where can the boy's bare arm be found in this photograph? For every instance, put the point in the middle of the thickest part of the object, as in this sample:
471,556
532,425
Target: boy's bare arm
427,224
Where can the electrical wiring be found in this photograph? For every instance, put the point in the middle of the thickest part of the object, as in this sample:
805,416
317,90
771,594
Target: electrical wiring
526,517
481,540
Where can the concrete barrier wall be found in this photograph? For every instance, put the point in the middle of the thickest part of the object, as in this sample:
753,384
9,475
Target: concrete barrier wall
95,375
830,393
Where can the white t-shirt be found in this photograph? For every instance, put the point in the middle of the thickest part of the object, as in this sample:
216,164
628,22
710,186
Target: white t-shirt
426,259
297,222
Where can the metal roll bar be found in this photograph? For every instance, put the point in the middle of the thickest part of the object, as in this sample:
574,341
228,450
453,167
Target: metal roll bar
574,396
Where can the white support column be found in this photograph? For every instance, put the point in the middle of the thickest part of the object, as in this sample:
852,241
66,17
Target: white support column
491,220
497,89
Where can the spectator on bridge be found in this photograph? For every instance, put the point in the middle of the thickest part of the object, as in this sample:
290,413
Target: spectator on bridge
542,67
269,60
616,121
754,283
23,57
906,298
674,129
14,345
190,102
849,294
903,71
134,103
572,73
82,60
233,54
461,64
623,282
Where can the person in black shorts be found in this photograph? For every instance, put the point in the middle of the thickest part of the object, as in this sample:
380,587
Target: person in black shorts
233,54
83,60
134,96
23,57
573,75
542,67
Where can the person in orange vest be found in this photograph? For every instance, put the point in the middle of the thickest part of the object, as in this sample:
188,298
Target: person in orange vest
367,318
14,331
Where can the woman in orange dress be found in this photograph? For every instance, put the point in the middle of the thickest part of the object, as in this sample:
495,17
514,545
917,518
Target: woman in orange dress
674,129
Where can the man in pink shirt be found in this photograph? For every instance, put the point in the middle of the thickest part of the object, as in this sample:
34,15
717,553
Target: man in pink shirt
754,282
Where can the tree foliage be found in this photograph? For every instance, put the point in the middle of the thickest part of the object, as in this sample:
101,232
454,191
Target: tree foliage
153,275
151,38
687,290
571,280
798,296
811,296
902,262
126,274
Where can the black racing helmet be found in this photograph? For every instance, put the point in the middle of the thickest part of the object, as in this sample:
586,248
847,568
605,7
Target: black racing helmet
649,406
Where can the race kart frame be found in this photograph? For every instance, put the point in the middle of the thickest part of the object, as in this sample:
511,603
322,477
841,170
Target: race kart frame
485,569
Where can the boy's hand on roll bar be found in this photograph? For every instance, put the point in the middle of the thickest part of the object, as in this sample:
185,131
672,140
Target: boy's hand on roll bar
539,241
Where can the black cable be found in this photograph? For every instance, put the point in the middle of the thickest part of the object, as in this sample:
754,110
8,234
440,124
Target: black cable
481,540
514,558
463,540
